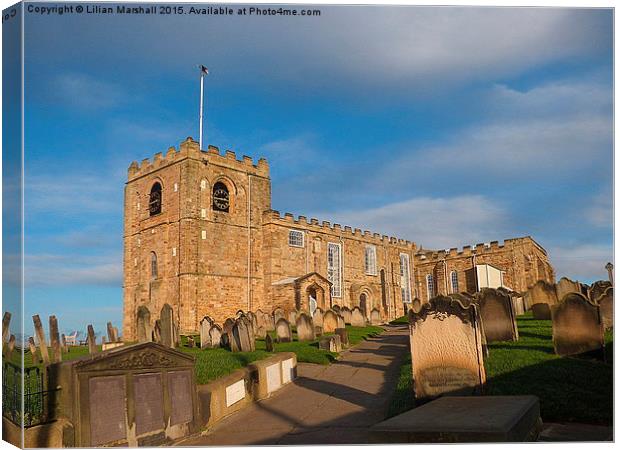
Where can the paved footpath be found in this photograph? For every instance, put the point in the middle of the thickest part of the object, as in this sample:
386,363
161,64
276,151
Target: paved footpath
333,404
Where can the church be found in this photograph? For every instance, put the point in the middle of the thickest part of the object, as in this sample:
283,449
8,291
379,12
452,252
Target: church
201,236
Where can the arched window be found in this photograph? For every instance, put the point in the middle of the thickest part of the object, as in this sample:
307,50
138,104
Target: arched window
430,286
454,279
155,199
221,197
153,265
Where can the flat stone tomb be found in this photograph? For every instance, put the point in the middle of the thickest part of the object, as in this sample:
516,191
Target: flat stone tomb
446,348
577,326
465,419
498,317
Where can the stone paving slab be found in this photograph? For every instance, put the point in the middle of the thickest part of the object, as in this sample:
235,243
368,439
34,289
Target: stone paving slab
333,404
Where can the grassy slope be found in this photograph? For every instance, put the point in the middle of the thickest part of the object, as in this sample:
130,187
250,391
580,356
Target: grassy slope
577,389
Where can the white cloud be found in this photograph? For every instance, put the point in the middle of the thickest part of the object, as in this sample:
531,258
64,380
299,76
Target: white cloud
585,263
73,270
599,211
86,92
431,222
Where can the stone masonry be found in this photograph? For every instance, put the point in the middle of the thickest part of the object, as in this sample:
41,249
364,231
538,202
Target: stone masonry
200,235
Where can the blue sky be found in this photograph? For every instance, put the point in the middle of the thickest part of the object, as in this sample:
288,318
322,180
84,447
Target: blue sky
446,126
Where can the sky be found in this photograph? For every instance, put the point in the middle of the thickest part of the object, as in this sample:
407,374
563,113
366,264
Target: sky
447,126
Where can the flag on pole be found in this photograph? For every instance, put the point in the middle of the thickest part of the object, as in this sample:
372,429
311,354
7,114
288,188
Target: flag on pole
204,70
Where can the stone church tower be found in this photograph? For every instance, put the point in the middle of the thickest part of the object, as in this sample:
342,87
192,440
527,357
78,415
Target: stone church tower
192,235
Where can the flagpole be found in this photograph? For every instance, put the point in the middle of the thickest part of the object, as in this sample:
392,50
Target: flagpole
202,77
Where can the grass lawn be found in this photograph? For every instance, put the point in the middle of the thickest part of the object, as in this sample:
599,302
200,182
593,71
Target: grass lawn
214,363
570,389
74,352
400,321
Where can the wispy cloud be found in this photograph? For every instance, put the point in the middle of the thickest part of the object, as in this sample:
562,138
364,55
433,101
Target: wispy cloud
86,92
73,270
585,263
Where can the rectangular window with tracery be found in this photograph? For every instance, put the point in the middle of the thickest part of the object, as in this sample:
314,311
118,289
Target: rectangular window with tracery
405,278
370,260
296,238
334,268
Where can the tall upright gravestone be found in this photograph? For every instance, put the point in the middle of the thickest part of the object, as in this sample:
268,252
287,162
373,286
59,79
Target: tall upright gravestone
305,328
205,327
577,326
497,314
541,293
567,286
330,321
38,329
166,318
357,318
446,348
375,317
283,330
144,327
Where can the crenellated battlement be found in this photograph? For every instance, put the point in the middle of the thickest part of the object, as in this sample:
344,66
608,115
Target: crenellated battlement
288,219
191,149
479,249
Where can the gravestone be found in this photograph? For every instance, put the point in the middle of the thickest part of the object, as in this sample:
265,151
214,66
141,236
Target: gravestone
110,329
566,286
243,335
344,336
331,343
269,343
10,347
55,340
318,331
260,319
518,305
375,317
540,292
38,328
330,321
597,289
283,331
190,341
92,340
6,320
33,350
278,313
131,396
239,314
166,318
346,314
606,308
144,329
254,321
446,348
227,329
541,311
215,336
270,324
305,328
341,323
336,309
157,331
317,317
205,327
498,318
357,318
63,343
577,326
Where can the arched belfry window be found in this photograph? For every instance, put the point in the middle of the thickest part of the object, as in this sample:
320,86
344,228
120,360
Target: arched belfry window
221,197
153,265
155,199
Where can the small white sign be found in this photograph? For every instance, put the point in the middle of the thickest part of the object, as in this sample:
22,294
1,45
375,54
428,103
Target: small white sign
235,392
273,378
287,371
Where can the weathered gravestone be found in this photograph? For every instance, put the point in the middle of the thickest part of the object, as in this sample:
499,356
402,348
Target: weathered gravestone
111,333
346,314
137,395
540,292
33,350
336,309
55,340
166,319
597,289
242,336
317,318
446,348
227,328
518,305
341,323
63,343
6,320
498,317
331,343
283,330
157,331
577,326
330,321
215,336
205,327
344,336
606,308
292,316
92,340
269,343
270,323
144,328
305,328
566,286
38,329
278,313
375,317
357,318
541,311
